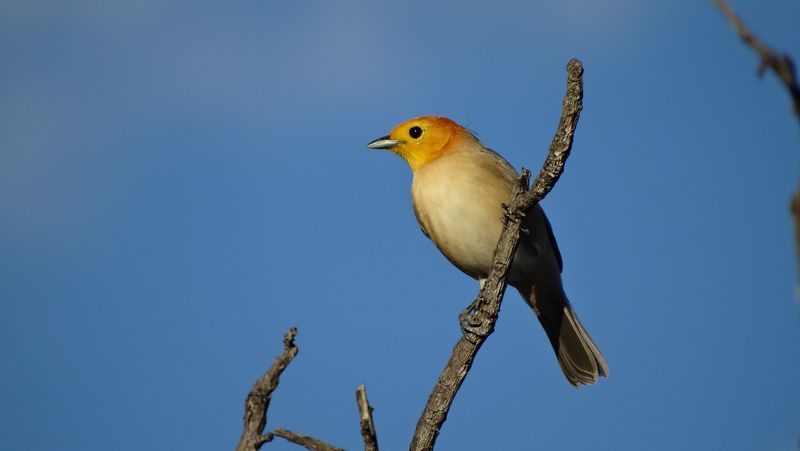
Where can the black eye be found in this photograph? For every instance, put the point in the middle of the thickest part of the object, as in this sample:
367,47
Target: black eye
415,132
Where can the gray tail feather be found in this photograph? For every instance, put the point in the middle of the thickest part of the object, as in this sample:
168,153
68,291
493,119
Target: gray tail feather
580,359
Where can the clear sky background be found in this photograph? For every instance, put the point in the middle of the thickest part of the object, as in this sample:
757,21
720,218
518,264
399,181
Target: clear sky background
180,182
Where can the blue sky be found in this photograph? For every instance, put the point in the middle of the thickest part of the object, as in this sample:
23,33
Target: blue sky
180,182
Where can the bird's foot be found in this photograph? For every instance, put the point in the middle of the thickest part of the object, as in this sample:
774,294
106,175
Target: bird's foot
475,323
473,307
512,214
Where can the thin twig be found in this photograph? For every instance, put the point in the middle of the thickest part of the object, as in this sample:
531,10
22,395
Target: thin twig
257,403
479,320
783,66
304,440
365,416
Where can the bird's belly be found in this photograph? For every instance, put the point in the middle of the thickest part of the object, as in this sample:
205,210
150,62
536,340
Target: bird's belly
464,225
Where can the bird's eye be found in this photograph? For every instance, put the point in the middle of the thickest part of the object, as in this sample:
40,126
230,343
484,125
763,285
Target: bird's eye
415,132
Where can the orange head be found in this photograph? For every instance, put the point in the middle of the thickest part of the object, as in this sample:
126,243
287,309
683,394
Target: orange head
424,139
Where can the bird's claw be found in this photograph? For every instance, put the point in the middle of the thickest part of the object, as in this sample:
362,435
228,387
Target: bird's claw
512,215
475,323
473,307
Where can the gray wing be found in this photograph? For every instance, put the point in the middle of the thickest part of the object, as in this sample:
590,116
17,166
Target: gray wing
553,242
508,169
501,162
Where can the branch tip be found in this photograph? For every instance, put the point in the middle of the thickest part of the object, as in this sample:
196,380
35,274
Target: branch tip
257,402
367,424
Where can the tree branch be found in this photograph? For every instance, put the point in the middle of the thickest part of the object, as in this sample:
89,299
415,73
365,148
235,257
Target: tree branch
365,414
257,402
477,322
783,66
306,441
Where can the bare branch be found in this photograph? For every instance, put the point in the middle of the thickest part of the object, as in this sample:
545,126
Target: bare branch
479,319
367,424
783,66
306,441
257,403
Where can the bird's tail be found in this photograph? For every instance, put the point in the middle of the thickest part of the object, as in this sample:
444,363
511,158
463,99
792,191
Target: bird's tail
580,359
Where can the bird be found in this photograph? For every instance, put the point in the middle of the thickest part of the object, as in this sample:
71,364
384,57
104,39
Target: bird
457,194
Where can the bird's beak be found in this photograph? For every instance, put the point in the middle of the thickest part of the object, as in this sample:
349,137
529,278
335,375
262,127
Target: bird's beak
383,143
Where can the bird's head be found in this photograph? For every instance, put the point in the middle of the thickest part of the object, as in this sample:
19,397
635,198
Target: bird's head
424,139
